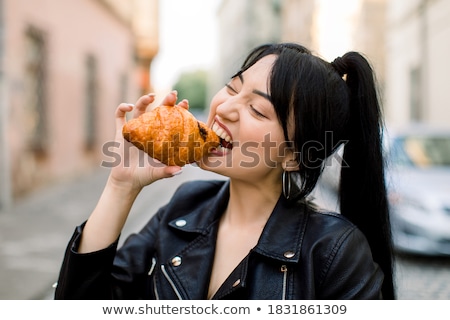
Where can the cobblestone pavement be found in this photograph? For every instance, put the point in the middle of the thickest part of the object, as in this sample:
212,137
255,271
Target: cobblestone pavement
34,233
423,278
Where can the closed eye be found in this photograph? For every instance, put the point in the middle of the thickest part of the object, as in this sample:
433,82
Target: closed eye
257,113
229,87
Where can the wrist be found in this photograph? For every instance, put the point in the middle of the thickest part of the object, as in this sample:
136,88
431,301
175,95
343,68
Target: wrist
122,189
109,216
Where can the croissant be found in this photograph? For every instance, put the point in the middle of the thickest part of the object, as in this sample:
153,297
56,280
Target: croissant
170,134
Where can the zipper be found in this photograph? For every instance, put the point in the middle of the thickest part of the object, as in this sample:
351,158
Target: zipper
152,267
163,269
284,270
155,291
150,272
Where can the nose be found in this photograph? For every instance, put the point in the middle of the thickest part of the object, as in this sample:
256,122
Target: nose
228,110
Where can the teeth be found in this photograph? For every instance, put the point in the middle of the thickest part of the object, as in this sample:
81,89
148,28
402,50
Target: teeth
221,133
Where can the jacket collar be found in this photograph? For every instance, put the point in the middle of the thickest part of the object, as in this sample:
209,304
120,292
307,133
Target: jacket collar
282,235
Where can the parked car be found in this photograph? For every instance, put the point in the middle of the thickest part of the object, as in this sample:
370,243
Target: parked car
418,180
418,185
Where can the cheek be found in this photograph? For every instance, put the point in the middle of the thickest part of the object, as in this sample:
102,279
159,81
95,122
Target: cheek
215,102
269,141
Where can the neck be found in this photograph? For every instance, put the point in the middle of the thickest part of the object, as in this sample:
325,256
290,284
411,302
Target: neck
251,203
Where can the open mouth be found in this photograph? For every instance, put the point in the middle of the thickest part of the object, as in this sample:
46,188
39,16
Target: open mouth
225,138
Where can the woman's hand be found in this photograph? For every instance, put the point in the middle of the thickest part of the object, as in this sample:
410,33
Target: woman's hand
136,169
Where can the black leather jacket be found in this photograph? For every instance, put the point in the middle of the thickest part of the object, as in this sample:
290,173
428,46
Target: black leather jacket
301,254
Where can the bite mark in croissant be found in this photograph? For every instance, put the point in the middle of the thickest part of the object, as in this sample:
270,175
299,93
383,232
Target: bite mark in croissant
171,134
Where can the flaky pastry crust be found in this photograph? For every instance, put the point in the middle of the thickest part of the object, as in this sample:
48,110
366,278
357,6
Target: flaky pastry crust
171,134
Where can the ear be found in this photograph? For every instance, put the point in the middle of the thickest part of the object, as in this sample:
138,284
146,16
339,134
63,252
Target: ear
290,163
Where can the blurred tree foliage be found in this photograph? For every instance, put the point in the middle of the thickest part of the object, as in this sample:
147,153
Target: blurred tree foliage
193,86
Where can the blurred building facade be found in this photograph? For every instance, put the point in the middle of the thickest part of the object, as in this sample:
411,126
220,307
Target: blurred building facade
406,41
299,22
370,36
417,62
243,25
65,66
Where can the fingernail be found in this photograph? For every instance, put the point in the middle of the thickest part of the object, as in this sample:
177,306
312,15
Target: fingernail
177,172
175,92
151,94
130,105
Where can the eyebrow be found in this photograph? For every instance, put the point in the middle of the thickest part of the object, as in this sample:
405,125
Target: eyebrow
262,94
258,92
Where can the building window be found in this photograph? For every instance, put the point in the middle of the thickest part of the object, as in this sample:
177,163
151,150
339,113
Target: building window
91,92
415,100
35,91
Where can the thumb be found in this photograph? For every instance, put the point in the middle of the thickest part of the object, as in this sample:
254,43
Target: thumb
164,172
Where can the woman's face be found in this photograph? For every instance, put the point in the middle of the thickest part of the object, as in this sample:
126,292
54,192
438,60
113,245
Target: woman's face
243,116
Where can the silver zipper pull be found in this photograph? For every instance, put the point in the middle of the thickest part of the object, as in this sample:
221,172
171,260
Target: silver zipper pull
284,269
152,267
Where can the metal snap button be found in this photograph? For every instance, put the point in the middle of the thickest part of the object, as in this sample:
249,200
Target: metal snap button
176,261
180,223
289,254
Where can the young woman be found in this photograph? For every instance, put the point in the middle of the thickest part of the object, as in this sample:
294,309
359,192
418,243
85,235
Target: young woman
254,235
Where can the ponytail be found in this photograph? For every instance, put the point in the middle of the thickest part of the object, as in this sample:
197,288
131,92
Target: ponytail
362,193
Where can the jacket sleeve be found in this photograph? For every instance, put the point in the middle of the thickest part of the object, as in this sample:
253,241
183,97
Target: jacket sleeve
108,273
85,276
350,272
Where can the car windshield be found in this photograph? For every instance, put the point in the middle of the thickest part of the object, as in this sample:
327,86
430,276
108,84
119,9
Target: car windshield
421,151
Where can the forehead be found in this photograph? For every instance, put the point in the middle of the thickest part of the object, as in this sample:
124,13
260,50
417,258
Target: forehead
261,68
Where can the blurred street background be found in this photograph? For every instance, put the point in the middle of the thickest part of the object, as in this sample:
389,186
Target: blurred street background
66,64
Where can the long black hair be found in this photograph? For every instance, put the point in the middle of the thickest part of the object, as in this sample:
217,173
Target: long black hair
330,104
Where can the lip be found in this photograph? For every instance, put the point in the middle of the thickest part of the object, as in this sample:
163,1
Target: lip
224,127
222,149
219,152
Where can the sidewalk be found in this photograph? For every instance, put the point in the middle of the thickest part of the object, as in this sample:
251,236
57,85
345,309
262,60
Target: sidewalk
35,232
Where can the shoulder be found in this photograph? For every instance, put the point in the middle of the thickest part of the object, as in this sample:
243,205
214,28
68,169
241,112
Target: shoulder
342,255
325,222
331,232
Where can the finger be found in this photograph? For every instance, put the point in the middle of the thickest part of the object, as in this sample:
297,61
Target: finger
170,99
142,104
167,172
184,104
121,111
